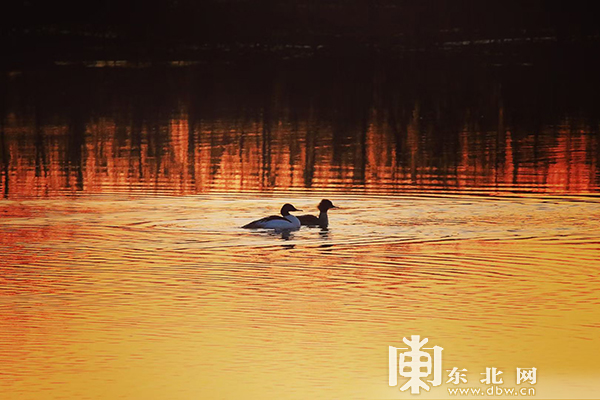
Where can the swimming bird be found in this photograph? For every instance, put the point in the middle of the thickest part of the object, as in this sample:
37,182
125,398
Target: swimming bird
321,221
286,221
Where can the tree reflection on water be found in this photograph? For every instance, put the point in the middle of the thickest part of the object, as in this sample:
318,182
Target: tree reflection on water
387,126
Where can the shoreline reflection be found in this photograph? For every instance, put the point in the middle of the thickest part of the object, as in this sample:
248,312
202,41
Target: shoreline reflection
68,131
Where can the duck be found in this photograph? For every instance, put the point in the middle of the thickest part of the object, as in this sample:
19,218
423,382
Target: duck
285,221
322,220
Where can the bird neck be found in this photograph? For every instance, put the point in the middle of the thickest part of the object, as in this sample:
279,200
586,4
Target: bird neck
323,219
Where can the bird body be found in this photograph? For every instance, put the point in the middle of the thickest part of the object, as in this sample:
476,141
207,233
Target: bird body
285,221
322,220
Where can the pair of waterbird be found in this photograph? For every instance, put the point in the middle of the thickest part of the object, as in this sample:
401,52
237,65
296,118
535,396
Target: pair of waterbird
289,221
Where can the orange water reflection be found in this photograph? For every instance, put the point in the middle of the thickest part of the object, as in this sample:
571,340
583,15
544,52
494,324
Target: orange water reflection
197,131
226,156
139,284
164,291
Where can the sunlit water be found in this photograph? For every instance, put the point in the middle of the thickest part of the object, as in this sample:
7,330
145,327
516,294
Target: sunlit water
125,273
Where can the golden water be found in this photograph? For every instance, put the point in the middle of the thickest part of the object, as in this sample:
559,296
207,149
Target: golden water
124,273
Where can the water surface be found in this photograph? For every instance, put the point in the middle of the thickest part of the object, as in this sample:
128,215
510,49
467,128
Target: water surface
468,214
